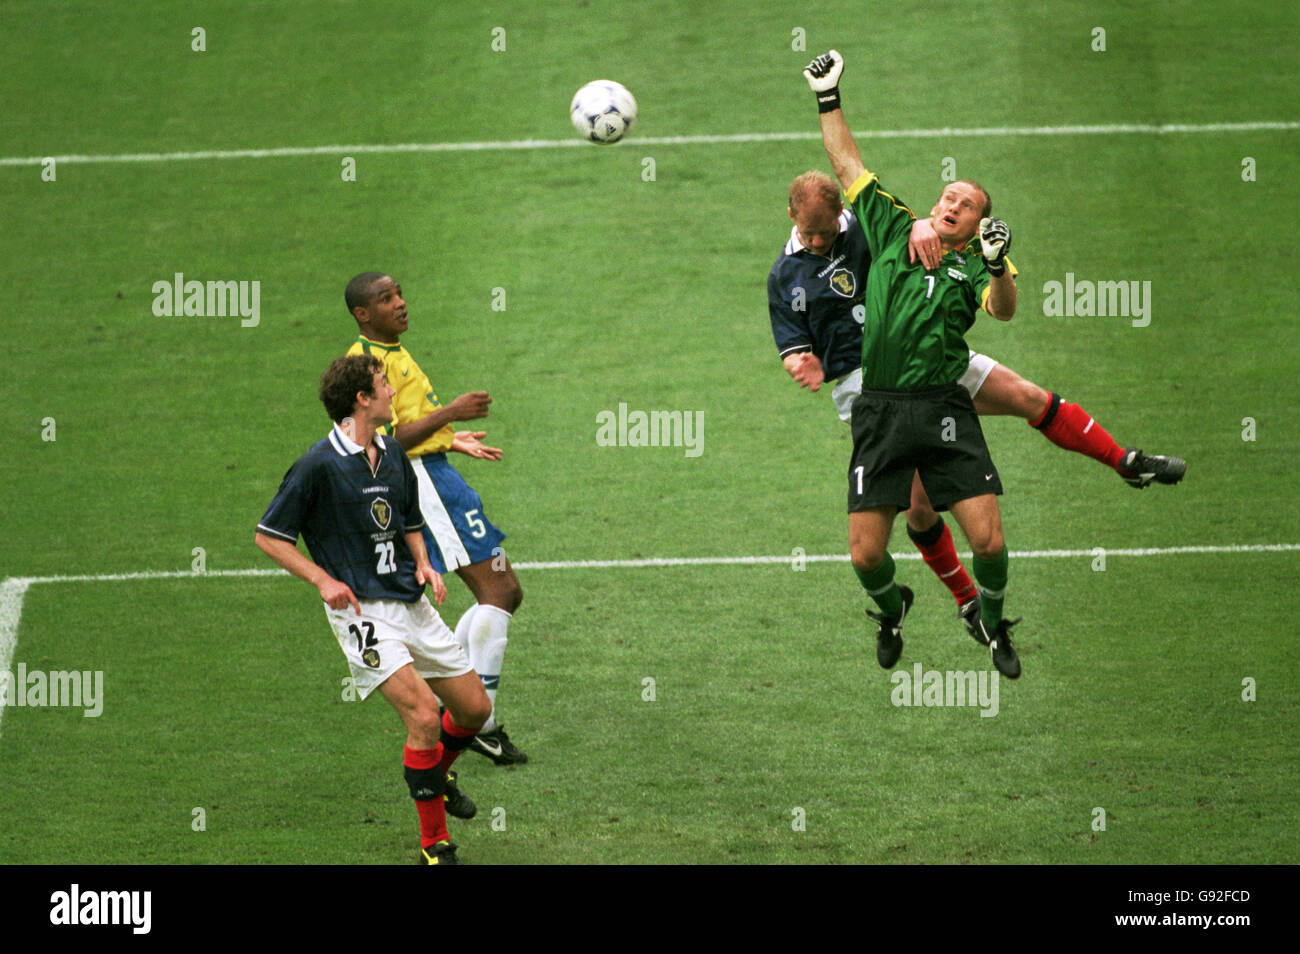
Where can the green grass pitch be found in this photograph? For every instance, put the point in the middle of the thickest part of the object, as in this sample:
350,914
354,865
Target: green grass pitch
710,712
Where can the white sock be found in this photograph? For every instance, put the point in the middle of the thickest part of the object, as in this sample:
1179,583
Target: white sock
486,635
462,628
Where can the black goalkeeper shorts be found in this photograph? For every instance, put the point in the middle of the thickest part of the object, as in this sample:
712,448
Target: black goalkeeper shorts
934,431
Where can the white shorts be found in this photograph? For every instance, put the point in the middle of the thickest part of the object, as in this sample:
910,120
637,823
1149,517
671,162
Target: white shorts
978,369
850,386
389,634
846,389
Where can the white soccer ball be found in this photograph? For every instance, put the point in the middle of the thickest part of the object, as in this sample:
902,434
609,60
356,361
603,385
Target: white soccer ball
603,111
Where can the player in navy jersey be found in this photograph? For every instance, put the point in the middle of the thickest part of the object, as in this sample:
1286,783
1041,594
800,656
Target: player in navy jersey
815,291
817,327
458,533
354,499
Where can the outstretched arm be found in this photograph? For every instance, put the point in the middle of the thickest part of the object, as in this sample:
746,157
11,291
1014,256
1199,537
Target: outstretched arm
823,75
470,442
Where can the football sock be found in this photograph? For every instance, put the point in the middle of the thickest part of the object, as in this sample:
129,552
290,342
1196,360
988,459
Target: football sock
880,586
992,577
432,811
455,739
486,635
940,555
1071,427
462,627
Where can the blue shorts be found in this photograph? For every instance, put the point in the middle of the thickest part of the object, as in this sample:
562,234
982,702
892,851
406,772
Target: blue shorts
456,531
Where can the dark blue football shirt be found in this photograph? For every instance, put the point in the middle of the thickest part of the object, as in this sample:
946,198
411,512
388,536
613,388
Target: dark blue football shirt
353,520
817,302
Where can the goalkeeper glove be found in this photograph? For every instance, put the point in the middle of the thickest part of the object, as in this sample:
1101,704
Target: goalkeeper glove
995,242
823,75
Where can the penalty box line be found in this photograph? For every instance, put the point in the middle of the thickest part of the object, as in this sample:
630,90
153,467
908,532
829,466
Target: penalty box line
14,590
16,587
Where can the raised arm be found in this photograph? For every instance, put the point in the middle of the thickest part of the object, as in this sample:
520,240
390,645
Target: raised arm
1002,297
995,242
823,75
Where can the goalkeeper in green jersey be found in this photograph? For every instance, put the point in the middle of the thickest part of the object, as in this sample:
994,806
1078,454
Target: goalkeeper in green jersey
912,414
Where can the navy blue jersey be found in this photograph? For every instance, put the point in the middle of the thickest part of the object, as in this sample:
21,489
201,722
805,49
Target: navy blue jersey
817,302
353,520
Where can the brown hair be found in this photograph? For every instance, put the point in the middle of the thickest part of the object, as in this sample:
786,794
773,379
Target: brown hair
344,379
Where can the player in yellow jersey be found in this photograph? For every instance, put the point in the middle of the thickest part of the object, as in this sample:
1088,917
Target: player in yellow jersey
458,535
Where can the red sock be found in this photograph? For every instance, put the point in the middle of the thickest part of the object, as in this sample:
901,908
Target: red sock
433,811
1071,427
940,555
453,733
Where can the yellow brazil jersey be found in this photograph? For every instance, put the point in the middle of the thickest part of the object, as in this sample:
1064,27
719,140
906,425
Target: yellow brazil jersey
415,398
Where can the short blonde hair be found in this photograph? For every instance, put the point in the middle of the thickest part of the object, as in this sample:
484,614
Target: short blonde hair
988,199
815,186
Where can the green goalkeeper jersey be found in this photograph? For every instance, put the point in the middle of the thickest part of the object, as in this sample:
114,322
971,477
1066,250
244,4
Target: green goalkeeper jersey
916,319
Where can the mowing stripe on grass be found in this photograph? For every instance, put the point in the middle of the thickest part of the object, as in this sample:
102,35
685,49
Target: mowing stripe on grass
1147,129
14,589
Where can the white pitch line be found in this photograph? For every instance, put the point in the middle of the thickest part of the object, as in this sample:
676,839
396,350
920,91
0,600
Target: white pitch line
1150,129
11,611
14,589
843,557
677,561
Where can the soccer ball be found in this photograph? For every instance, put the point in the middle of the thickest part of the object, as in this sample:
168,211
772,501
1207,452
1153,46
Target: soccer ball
603,111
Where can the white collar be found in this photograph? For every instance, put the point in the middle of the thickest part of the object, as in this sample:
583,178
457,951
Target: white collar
346,446
794,245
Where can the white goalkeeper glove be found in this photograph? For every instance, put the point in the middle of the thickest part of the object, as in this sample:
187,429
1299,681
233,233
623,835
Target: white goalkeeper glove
823,75
995,242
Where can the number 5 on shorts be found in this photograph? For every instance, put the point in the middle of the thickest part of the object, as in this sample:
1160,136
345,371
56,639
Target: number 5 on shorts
476,525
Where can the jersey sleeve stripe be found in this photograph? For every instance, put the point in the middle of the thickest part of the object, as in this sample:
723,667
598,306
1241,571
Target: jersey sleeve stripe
864,180
860,183
793,348
270,531
984,295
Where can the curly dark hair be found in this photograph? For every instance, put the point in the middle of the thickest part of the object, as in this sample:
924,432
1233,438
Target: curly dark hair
344,379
